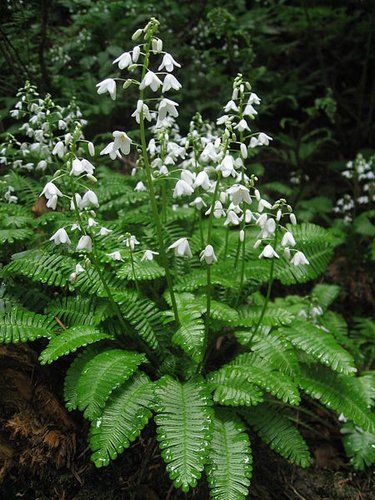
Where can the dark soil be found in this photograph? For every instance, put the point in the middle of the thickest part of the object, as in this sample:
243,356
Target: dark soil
44,455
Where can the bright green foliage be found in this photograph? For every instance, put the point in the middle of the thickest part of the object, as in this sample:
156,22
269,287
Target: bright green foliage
101,376
278,431
19,325
229,460
124,416
184,428
190,334
339,392
234,390
74,311
319,344
325,294
144,271
10,235
359,446
70,340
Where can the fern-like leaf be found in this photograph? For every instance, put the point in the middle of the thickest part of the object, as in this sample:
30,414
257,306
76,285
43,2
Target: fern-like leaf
229,467
19,325
359,446
102,375
70,340
126,413
183,419
233,390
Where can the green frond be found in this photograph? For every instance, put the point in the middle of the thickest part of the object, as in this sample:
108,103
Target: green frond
74,310
249,316
19,325
10,235
190,334
73,374
229,467
325,294
276,351
125,414
144,270
53,270
318,344
257,371
183,420
233,390
276,429
70,340
359,446
340,393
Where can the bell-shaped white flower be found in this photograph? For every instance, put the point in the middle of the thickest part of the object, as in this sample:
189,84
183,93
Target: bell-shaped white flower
288,240
198,203
84,243
141,107
268,253
208,255
231,106
181,248
232,219
88,199
77,167
209,153
226,167
52,202
150,80
298,259
249,110
107,85
264,139
111,151
60,237
182,188
242,126
270,226
131,242
168,63
140,187
50,190
253,99
167,107
149,255
124,60
87,166
122,142
263,204
116,255
59,149
239,194
188,177
104,231
171,82
202,180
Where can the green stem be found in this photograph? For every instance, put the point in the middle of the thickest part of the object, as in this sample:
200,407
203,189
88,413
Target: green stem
242,276
153,202
133,271
226,242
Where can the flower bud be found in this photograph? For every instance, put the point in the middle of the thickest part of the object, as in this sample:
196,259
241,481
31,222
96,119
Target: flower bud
91,178
137,34
242,235
73,277
91,148
243,149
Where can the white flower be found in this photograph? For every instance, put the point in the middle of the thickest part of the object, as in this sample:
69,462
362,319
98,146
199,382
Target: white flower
293,219
60,237
50,190
85,243
149,255
52,202
124,60
232,218
115,255
209,153
288,240
264,139
91,148
104,231
182,188
239,193
181,248
299,259
91,222
87,166
218,210
242,235
250,110
227,166
59,149
136,53
42,165
242,125
270,226
140,187
243,150
198,203
202,180
78,199
79,269
253,99
151,80
122,142
141,106
77,167
111,151
230,106
131,241
188,177
166,107
208,255
168,63
263,204
89,198
107,85
268,253
170,82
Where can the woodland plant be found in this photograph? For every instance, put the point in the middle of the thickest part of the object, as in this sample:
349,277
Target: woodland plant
163,281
